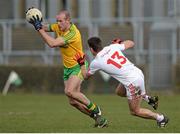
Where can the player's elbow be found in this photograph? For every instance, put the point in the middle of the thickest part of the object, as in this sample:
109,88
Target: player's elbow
86,77
50,45
56,43
53,44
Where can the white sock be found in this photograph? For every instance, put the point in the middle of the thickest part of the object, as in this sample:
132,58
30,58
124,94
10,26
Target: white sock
159,117
146,98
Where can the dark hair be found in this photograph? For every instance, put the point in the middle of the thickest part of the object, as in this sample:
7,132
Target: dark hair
95,43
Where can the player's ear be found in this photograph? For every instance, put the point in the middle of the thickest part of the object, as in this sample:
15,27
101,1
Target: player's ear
92,51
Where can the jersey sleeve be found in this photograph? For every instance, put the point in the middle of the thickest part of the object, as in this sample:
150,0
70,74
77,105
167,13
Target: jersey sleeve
121,47
52,27
93,67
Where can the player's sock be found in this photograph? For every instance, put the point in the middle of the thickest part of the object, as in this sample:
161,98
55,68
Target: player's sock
162,122
159,117
146,98
95,110
91,106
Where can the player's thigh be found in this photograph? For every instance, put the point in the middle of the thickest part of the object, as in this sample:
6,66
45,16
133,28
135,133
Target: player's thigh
135,89
73,83
121,90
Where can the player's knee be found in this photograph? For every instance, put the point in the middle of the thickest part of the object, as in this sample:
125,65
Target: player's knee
72,103
119,93
68,93
134,112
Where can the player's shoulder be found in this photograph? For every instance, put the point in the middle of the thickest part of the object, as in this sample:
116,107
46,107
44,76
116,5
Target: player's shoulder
54,27
74,31
114,45
53,24
119,47
73,27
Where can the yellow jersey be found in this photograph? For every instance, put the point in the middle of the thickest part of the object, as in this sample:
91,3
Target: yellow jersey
73,43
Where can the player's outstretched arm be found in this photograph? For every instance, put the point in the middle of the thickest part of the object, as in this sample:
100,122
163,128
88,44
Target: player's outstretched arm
34,17
127,43
52,42
46,28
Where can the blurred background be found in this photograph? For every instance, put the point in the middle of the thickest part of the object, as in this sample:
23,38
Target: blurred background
154,26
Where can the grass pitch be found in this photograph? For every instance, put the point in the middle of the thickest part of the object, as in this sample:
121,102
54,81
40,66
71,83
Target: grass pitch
52,114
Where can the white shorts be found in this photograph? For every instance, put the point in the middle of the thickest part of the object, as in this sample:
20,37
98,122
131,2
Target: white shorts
136,88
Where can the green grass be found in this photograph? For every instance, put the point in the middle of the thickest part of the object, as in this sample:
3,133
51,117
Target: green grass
52,113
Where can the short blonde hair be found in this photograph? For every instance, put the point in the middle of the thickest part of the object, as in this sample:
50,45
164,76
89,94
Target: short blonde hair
66,13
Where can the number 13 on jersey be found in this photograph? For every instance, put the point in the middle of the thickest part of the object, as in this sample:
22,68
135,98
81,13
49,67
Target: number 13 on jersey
114,56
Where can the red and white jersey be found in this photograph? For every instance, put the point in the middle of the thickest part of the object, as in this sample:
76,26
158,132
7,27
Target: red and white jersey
112,61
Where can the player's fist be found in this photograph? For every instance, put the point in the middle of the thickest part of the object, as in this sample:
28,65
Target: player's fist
33,13
80,58
116,41
34,17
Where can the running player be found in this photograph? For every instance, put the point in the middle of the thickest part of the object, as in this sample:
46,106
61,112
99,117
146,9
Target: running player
69,42
111,60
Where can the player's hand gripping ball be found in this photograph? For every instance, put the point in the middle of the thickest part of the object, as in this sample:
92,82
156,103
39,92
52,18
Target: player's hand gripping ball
34,16
33,13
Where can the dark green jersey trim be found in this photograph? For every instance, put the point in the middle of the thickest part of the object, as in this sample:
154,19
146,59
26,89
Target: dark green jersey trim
49,27
70,35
